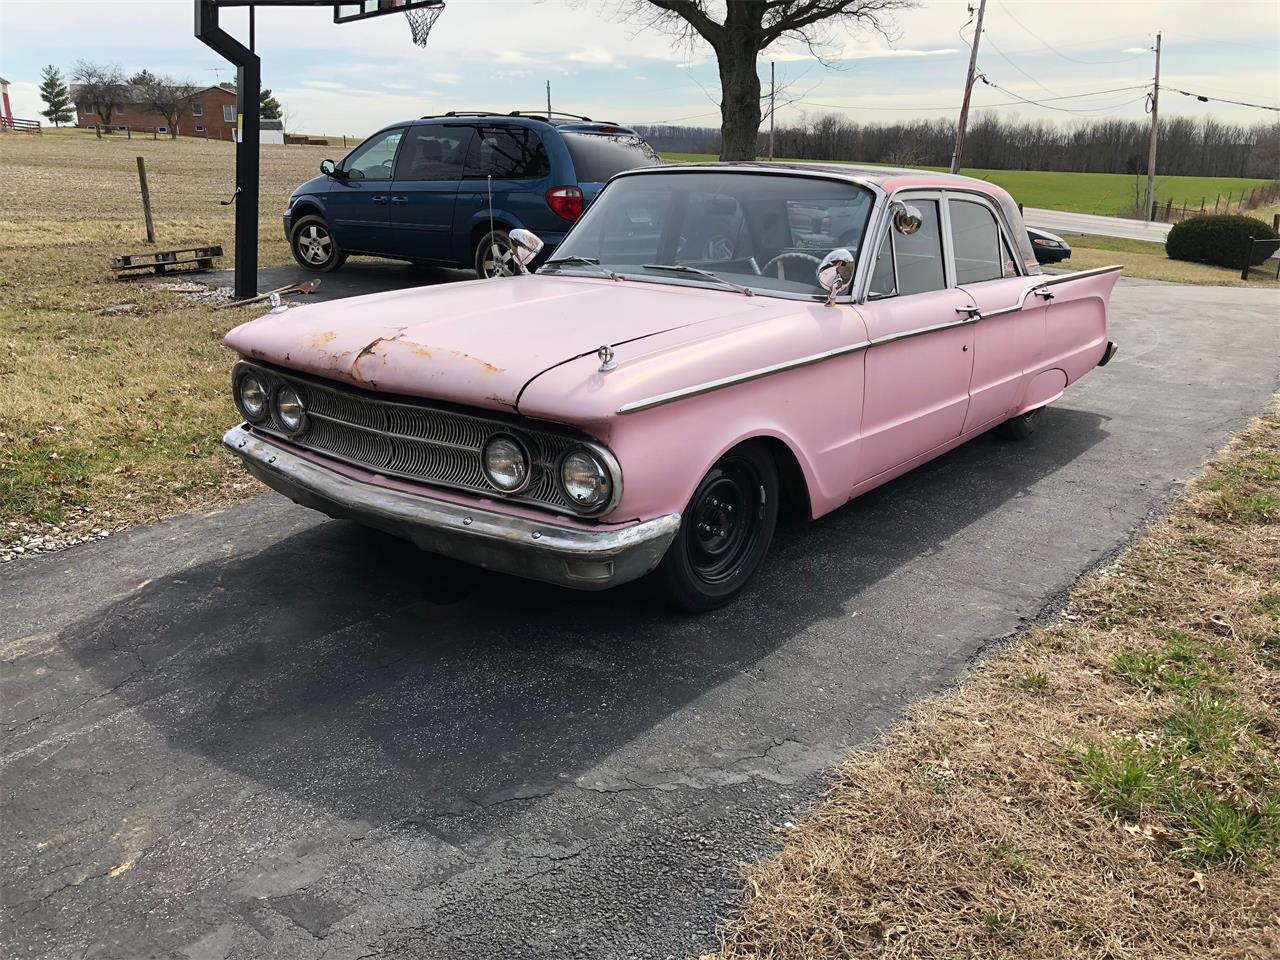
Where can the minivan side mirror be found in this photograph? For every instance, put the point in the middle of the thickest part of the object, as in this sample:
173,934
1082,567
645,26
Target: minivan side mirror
328,168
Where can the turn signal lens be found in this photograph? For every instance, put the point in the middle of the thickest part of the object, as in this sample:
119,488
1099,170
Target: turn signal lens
506,465
585,479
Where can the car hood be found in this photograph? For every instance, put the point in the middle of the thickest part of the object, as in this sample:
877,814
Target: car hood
320,184
480,342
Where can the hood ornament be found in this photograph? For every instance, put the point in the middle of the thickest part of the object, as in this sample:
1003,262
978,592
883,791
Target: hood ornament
605,353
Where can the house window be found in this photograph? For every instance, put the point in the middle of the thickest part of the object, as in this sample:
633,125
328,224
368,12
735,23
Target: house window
197,109
229,113
199,129
119,108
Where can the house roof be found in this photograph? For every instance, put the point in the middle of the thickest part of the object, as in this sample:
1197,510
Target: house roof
131,94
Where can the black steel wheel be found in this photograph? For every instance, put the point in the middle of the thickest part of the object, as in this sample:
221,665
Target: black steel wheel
1021,426
314,246
725,531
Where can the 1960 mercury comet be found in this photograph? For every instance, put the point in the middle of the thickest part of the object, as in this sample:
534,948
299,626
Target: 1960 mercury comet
709,344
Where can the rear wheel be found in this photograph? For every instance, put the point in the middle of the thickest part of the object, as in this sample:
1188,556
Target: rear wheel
495,256
313,245
725,531
1021,426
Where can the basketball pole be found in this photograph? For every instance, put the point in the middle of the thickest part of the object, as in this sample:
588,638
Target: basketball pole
248,107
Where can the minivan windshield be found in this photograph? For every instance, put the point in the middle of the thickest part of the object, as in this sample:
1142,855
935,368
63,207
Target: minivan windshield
597,157
764,231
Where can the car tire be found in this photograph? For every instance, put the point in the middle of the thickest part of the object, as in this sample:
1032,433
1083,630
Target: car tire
1021,426
495,252
725,531
314,246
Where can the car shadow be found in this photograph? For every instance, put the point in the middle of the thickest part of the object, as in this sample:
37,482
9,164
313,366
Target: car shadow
348,669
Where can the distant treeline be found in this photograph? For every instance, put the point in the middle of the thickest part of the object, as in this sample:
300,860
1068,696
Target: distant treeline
1188,147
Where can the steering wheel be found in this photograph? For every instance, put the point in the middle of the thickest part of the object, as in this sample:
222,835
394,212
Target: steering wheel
789,255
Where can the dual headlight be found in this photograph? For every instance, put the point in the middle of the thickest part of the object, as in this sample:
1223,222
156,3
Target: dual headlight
257,404
583,475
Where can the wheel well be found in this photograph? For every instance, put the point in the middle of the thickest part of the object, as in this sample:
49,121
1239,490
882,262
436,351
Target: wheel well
305,209
480,229
795,491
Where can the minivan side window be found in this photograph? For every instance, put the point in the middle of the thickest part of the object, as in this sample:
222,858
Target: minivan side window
374,158
433,151
507,153
919,255
975,243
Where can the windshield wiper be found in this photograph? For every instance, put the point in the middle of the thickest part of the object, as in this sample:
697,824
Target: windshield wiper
681,268
589,261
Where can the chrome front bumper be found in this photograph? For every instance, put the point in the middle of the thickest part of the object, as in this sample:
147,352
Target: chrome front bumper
569,556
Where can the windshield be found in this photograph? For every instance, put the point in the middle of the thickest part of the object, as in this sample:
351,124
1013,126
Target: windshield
764,231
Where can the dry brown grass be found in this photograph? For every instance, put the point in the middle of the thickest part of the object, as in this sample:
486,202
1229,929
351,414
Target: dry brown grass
969,831
116,394
1148,261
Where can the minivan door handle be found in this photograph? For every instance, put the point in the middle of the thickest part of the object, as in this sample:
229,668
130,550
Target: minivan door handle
380,199
399,200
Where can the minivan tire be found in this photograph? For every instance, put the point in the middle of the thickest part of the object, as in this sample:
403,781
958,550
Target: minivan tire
485,258
314,246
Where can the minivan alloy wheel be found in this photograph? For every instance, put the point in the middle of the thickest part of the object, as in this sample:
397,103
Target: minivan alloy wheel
314,245
495,256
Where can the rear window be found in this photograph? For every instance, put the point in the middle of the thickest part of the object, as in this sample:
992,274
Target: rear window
597,157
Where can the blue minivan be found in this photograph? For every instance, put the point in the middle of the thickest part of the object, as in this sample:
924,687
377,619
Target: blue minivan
447,190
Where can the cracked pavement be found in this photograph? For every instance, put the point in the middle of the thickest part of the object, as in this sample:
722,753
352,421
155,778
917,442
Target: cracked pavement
256,732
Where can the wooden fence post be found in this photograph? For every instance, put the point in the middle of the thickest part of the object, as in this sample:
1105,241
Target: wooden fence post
146,200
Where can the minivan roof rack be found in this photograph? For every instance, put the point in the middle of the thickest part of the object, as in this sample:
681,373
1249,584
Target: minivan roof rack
528,114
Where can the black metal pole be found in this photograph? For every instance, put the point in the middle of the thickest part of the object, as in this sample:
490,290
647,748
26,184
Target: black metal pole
248,93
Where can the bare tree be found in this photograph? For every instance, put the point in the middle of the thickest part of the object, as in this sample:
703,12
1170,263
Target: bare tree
101,86
166,96
740,30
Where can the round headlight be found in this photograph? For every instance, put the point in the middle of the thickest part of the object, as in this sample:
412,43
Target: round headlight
585,479
251,397
506,464
289,409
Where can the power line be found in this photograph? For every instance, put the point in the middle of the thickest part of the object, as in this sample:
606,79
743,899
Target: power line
1239,103
1059,53
1007,103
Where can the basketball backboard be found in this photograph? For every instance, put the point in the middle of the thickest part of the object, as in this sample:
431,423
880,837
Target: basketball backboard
362,9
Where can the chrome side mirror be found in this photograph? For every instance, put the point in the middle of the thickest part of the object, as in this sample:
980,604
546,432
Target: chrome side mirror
526,245
328,167
906,219
835,272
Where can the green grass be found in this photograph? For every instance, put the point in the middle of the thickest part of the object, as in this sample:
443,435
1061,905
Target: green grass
1110,194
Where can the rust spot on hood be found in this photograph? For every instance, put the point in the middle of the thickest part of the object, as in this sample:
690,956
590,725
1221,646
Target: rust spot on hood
320,339
485,364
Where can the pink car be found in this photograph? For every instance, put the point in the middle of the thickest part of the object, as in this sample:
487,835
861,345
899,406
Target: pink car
710,344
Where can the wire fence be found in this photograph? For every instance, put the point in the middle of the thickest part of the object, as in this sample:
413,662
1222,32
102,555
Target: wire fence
1231,202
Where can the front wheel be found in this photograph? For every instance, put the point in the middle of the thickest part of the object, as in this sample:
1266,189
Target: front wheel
725,531
1021,426
496,256
313,245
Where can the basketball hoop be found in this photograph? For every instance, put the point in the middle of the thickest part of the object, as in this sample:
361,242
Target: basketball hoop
421,20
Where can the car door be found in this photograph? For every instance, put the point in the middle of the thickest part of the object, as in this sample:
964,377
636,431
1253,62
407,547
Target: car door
920,360
1010,333
510,162
357,203
427,173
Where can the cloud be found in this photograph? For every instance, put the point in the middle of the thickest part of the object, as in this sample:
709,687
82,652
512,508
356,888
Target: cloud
1134,50
596,55
446,77
326,85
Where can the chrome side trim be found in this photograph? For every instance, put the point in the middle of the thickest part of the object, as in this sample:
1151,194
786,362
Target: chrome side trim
731,381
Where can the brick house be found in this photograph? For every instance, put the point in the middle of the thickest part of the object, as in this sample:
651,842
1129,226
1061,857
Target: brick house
212,114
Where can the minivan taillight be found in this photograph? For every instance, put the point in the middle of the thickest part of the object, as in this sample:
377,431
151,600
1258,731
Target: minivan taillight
565,202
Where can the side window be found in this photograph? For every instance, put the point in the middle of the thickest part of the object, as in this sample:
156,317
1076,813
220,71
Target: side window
976,245
507,153
228,113
882,283
373,159
919,256
433,151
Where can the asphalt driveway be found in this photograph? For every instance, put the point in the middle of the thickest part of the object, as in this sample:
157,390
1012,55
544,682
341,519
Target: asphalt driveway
261,733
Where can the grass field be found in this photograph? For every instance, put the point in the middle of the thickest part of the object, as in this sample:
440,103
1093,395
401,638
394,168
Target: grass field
1108,194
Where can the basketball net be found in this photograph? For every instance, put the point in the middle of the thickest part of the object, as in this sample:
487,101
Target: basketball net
421,20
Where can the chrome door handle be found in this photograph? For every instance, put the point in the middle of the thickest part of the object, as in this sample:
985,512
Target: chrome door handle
399,200
970,311
381,200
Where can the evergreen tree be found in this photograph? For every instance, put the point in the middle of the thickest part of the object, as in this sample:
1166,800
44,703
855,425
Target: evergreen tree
269,105
56,98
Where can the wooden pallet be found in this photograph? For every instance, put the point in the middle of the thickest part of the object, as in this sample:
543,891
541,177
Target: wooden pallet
190,259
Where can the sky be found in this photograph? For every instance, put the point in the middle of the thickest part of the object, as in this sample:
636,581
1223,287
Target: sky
498,54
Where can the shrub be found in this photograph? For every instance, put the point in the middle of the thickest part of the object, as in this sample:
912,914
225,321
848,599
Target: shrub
1220,239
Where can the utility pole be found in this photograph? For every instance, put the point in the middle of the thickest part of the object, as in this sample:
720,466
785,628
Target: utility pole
548,99
773,93
968,89
1148,202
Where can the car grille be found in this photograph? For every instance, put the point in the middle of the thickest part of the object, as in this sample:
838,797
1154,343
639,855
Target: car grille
415,441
